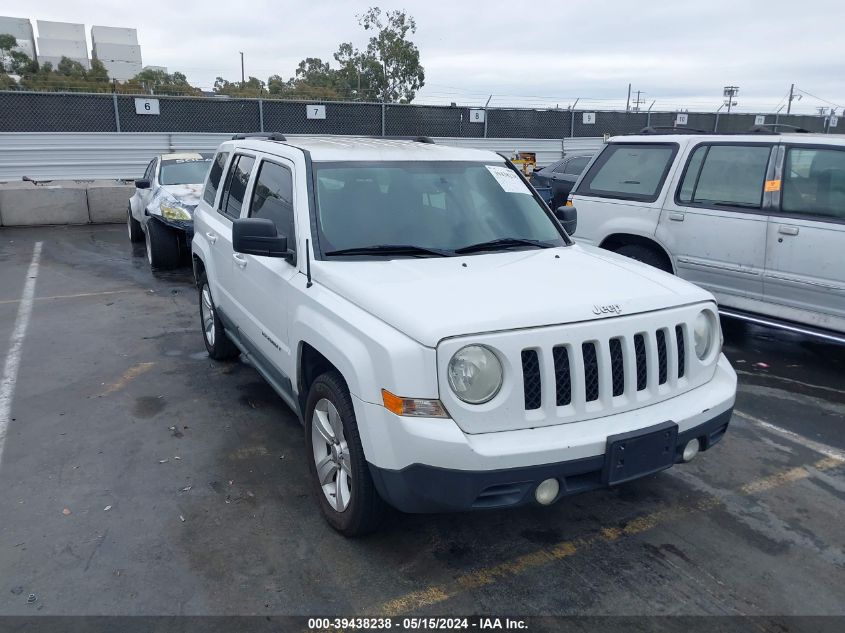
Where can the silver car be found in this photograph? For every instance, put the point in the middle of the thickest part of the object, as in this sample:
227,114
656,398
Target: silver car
161,209
758,219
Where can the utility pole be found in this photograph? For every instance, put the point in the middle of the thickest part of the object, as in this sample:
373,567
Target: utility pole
638,101
730,92
243,79
628,103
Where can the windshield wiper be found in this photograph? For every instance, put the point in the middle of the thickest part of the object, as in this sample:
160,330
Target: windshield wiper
502,243
390,249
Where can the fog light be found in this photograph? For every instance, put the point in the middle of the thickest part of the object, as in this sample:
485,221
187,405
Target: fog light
691,450
547,491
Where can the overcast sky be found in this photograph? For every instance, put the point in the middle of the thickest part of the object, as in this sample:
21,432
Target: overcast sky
680,54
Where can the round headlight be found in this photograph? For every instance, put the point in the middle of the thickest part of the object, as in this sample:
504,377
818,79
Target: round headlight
475,374
704,333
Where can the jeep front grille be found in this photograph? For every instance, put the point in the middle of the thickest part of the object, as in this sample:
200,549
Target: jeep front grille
624,362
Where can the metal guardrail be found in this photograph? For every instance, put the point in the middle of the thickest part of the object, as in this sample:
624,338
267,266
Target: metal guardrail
112,155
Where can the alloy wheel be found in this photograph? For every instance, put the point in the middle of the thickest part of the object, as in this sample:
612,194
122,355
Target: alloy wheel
331,455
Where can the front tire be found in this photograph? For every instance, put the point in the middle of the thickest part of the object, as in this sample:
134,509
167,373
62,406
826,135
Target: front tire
136,233
213,335
340,476
645,255
162,246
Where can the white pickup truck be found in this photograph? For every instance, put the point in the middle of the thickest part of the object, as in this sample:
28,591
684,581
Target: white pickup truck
445,342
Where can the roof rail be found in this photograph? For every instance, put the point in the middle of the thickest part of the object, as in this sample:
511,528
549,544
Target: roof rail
416,139
668,129
771,128
270,136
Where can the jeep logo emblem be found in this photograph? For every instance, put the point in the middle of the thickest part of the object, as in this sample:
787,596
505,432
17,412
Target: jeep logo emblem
613,308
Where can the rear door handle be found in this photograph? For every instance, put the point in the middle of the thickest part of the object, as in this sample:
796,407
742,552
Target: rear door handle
785,229
211,237
676,216
240,260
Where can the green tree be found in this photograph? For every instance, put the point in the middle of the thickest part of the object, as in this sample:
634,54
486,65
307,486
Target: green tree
402,74
155,81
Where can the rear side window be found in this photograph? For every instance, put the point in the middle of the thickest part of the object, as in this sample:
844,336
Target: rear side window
272,198
214,176
235,189
814,182
629,171
576,165
725,175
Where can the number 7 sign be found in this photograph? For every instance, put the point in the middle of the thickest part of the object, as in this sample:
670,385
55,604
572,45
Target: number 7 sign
315,111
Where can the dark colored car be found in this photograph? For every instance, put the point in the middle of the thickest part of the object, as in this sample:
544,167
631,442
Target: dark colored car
560,176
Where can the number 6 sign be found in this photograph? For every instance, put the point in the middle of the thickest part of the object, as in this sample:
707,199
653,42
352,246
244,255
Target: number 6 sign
315,111
146,106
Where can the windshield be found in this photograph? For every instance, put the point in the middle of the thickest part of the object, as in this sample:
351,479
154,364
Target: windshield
440,206
184,172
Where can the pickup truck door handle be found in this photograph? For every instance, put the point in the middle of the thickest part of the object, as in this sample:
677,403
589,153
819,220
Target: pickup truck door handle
240,260
676,216
785,229
211,237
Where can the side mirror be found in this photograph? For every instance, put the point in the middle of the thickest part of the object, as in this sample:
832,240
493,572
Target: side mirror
258,236
568,217
142,183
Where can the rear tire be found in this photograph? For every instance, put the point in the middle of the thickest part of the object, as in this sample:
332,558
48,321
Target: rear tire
136,233
213,335
646,255
162,246
344,487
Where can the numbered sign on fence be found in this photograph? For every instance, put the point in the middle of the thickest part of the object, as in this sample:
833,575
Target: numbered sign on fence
315,111
834,121
146,106
588,118
476,116
681,118
760,119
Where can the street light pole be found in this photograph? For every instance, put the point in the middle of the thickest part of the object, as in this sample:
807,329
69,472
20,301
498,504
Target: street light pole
243,79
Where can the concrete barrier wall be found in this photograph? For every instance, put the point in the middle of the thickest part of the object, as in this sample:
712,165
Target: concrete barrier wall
25,204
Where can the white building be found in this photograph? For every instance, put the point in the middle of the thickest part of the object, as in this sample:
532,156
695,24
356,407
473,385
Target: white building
21,30
62,39
117,48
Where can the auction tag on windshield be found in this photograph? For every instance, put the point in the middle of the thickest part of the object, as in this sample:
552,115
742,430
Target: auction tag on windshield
772,185
507,179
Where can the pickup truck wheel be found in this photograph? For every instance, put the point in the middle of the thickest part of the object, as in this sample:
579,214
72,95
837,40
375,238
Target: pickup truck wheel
213,335
136,233
162,246
339,473
645,255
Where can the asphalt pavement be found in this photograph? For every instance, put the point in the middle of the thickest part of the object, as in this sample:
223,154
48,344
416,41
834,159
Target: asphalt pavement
141,477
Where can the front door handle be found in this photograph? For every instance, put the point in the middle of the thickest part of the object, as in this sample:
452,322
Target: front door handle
786,229
676,216
240,260
211,237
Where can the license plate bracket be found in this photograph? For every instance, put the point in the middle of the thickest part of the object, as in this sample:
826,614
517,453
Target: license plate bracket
639,453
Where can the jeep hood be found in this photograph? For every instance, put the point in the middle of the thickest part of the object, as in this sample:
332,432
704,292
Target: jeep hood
430,299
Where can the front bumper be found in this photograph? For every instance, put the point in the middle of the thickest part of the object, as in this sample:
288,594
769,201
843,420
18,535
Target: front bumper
420,488
430,465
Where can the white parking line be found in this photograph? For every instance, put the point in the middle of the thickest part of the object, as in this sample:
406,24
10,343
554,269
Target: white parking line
822,449
13,358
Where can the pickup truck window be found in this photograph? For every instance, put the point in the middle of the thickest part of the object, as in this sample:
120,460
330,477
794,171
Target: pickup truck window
629,171
233,193
814,182
726,175
216,171
272,198
440,206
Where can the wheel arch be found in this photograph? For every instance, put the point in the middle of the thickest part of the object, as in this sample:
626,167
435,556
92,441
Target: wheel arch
615,241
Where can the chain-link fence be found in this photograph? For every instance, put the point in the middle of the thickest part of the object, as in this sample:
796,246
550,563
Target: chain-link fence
75,112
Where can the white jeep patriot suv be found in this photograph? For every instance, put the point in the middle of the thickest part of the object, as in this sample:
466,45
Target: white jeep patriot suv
444,341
